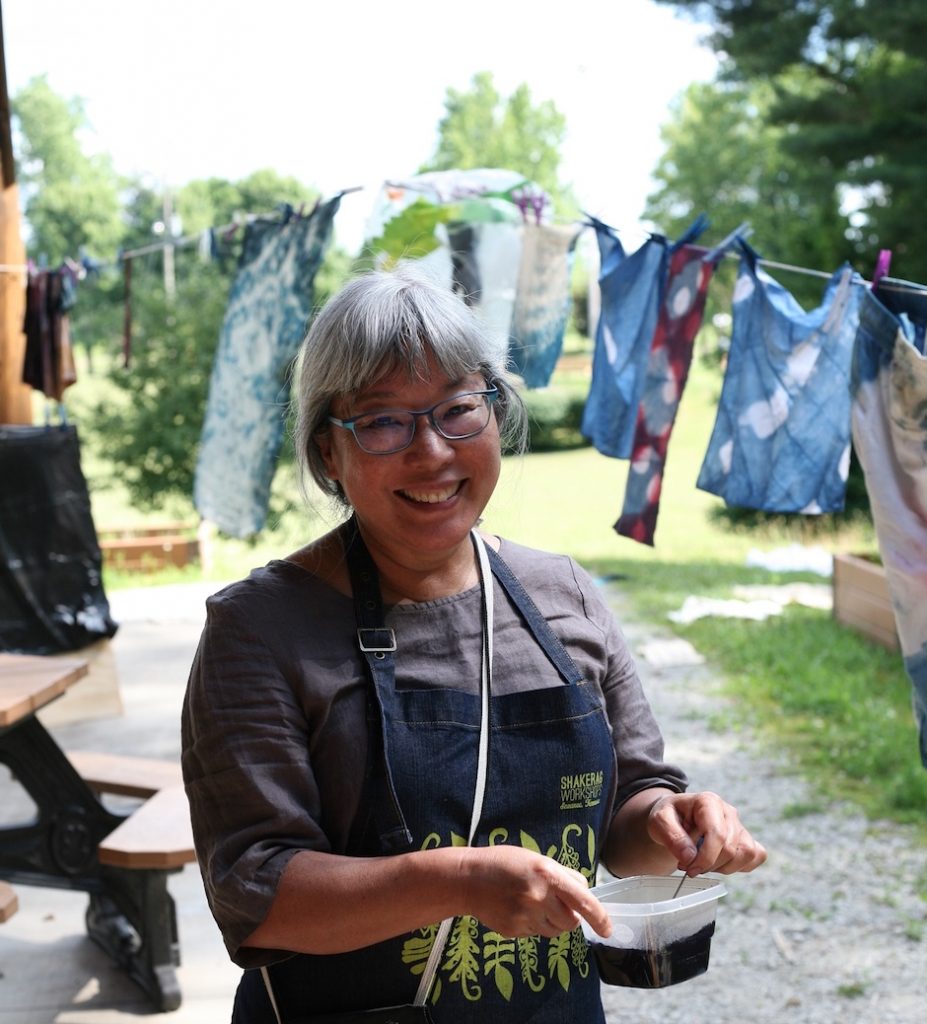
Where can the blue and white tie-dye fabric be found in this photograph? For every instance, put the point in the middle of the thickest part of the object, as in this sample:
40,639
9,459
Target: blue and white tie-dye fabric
889,417
542,301
631,288
781,439
269,308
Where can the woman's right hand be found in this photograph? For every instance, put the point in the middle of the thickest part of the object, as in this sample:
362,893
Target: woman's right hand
517,892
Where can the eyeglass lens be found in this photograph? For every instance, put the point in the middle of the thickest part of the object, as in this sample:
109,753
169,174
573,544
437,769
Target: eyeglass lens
393,429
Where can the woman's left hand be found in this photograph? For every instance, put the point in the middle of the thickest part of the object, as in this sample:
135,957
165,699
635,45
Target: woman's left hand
704,833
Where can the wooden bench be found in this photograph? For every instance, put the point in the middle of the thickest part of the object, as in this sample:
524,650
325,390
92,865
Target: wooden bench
156,835
124,775
9,903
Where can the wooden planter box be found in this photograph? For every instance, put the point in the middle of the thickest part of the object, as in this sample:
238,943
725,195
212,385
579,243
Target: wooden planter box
148,548
861,599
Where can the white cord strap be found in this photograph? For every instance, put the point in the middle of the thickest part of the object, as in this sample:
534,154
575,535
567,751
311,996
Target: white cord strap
482,765
265,974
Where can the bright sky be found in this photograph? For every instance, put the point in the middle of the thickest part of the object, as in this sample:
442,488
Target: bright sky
351,93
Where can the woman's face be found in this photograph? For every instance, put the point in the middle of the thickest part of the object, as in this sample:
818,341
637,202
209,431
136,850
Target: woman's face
419,504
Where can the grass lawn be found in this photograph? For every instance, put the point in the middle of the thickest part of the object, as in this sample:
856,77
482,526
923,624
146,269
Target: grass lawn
840,704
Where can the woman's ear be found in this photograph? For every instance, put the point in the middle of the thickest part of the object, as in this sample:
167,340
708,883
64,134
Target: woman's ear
323,440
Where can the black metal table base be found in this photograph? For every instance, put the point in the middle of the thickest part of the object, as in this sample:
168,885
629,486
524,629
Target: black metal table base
131,914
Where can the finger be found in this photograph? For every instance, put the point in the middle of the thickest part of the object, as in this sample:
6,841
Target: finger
746,855
583,904
667,828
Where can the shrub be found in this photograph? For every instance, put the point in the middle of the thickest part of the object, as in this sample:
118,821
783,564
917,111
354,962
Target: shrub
554,417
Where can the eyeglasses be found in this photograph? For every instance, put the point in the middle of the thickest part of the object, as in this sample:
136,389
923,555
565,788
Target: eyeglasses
392,430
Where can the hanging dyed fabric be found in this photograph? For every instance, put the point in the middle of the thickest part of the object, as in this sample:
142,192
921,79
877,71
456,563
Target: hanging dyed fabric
270,304
889,422
667,372
48,361
542,301
485,259
781,438
631,290
51,586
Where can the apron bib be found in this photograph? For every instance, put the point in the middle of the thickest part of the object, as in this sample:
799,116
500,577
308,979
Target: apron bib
550,785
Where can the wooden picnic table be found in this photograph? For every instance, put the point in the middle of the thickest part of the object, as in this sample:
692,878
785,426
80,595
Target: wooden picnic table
73,841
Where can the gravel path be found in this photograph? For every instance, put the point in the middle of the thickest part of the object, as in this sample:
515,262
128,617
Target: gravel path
831,928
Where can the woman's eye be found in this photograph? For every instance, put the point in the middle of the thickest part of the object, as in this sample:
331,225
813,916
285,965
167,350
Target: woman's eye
381,421
460,408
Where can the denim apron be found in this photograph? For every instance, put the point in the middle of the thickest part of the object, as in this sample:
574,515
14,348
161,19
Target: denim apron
550,787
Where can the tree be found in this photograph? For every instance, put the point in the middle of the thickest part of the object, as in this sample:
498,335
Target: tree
71,199
149,434
850,80
723,157
480,129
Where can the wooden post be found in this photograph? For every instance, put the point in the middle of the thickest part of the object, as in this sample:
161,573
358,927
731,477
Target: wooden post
15,397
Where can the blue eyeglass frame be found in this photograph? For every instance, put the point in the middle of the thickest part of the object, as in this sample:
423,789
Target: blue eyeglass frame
490,394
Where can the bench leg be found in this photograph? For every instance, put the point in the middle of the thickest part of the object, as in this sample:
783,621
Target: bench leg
134,921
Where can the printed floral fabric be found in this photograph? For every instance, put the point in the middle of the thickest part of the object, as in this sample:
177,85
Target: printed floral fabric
781,439
269,308
542,301
889,422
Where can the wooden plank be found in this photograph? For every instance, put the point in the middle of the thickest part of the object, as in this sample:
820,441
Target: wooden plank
857,573
149,552
28,682
862,599
157,835
9,902
15,397
125,775
146,530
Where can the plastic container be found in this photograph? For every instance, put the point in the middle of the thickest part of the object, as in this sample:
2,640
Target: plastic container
656,940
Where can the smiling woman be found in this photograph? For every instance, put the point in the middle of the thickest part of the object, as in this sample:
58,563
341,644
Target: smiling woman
384,730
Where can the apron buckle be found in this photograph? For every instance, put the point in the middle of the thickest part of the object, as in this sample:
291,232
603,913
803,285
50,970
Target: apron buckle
375,640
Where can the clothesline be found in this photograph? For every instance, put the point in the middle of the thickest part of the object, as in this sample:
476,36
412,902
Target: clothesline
892,284
223,229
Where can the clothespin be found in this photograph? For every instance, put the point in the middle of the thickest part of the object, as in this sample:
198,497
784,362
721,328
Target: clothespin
742,231
883,262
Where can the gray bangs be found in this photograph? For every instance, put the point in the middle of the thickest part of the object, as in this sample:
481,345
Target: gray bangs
394,324
381,323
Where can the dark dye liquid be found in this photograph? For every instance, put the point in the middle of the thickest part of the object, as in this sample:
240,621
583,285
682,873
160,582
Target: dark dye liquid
655,968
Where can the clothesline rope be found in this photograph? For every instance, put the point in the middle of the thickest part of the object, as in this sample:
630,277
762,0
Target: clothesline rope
892,284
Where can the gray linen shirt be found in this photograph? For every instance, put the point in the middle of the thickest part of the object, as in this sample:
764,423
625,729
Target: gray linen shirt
274,720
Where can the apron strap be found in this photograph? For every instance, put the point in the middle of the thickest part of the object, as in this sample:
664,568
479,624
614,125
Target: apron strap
535,621
377,643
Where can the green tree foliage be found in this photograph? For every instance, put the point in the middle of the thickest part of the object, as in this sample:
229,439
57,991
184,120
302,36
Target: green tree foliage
850,80
723,156
71,199
149,425
481,129
148,433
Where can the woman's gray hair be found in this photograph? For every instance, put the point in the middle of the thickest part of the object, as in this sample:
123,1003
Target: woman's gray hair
382,322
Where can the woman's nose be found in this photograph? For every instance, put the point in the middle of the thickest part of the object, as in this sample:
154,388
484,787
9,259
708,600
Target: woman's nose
427,439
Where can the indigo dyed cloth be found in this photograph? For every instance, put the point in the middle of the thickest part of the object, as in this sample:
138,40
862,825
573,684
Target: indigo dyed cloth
889,422
680,317
542,301
631,287
269,307
781,439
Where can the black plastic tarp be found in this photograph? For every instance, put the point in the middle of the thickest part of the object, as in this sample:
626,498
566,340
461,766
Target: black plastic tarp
51,589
